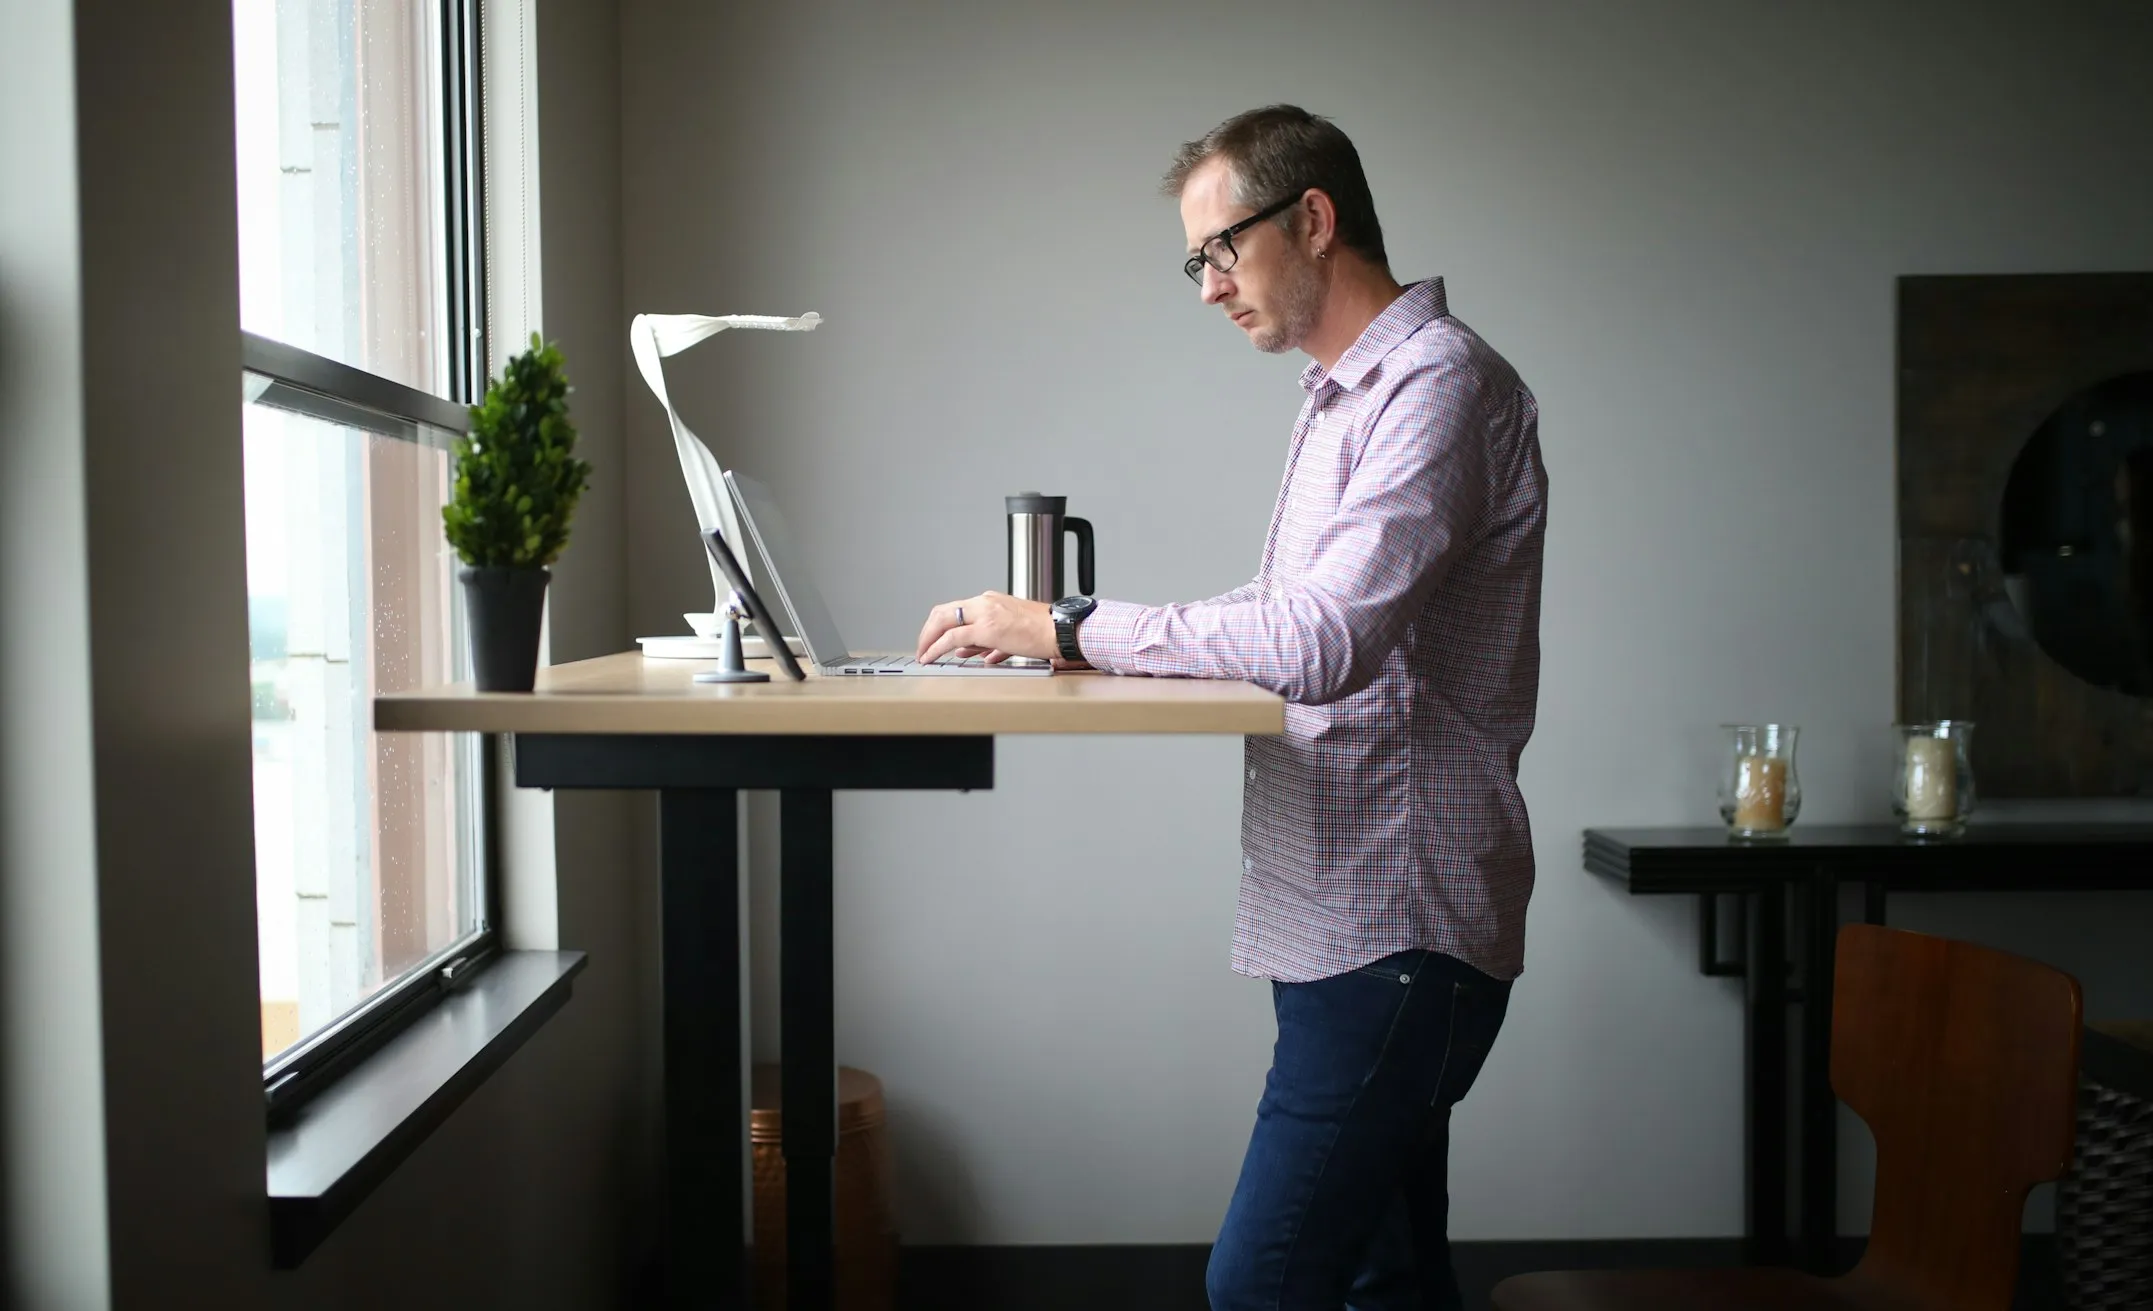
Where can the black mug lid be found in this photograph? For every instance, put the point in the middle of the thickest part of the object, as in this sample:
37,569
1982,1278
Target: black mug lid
1034,503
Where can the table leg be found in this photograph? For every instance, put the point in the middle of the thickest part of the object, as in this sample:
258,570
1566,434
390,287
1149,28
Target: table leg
807,1004
1819,1177
1709,963
704,1241
1766,1059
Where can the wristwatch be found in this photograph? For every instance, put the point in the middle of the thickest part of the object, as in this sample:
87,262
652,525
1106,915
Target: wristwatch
1068,613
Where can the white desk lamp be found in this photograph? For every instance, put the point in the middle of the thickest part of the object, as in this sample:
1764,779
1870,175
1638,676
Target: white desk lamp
652,337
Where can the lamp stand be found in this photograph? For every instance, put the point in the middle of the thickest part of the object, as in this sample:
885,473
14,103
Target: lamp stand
731,667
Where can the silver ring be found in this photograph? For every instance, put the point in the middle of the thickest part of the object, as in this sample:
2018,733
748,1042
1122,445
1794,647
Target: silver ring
960,614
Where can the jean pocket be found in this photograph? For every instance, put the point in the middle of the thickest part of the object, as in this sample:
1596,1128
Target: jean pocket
1476,1016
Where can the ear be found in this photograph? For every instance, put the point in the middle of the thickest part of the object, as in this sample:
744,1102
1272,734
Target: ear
1319,217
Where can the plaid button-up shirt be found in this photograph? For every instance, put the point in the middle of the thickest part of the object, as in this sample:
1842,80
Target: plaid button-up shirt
1397,611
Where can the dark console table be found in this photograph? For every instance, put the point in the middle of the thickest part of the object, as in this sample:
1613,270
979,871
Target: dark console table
1768,914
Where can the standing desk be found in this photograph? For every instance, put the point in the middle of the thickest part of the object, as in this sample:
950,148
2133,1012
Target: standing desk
622,721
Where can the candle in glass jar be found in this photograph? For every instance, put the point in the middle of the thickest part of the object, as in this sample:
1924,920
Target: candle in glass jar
1932,778
1760,793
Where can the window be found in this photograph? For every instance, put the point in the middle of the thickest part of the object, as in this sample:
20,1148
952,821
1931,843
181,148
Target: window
359,293
356,184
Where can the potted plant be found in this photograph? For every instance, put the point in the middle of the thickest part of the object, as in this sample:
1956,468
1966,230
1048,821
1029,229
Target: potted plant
517,480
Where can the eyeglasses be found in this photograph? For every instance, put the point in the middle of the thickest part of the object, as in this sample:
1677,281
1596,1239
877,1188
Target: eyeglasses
1218,251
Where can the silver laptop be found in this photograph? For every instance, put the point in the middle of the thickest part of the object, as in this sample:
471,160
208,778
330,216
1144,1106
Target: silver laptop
765,525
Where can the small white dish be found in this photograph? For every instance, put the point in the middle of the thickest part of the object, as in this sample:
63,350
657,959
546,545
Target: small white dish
709,646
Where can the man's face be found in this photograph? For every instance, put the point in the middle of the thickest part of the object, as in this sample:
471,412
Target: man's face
1274,292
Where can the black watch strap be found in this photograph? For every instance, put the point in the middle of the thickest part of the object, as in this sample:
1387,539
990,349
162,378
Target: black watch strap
1065,631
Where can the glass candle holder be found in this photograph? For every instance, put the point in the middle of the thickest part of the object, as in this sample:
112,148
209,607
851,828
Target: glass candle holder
1932,785
1759,791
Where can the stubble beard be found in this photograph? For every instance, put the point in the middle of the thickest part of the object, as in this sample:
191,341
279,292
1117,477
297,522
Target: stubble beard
1300,301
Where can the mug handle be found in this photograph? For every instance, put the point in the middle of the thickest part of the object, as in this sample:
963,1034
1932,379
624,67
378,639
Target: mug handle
1082,529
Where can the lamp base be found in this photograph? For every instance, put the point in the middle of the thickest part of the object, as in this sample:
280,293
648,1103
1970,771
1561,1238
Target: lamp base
732,676
731,668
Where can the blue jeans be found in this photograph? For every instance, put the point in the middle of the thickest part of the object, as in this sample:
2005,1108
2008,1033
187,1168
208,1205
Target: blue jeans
1344,1200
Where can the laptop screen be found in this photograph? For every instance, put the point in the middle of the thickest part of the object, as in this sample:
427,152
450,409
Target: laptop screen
803,604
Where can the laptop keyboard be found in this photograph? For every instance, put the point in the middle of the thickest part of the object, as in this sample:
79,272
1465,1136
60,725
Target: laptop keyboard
895,664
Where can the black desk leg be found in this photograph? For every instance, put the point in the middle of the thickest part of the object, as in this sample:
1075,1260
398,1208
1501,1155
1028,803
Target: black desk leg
1819,1106
1766,1058
807,968
705,1123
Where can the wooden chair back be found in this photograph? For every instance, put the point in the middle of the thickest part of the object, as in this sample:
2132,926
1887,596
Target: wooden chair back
1963,1061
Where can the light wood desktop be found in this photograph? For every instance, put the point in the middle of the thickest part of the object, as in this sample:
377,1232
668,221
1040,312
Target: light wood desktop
628,693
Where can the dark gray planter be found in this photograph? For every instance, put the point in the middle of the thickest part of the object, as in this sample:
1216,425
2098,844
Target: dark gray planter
504,606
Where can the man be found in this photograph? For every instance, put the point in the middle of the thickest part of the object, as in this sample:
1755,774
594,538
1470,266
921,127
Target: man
1386,854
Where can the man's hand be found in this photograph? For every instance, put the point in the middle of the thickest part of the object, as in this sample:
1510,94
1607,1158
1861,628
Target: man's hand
991,624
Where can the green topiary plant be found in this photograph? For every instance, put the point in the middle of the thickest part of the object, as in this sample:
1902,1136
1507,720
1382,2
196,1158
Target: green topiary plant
517,477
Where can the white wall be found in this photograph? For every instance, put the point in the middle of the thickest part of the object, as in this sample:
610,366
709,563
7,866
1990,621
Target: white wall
1681,221
155,456
52,1151
131,1125
133,1139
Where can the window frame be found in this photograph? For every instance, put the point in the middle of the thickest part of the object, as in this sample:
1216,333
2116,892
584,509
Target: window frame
290,378
464,160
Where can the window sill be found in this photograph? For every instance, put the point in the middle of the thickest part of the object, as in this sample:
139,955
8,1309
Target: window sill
343,1142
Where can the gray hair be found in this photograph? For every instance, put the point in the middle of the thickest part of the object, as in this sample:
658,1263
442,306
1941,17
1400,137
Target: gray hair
1280,150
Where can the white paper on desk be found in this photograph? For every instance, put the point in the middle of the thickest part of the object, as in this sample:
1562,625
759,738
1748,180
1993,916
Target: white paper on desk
652,337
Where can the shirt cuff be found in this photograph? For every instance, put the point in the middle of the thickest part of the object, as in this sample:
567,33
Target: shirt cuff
1107,637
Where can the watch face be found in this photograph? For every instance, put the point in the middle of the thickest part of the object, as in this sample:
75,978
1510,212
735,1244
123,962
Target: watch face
1076,607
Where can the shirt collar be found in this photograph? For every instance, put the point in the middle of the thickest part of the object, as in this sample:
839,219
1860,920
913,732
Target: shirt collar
1422,304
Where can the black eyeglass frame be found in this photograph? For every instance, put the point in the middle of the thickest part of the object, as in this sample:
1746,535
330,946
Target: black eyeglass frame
1194,266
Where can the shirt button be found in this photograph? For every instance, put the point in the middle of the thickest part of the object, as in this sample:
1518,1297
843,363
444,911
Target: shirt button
1252,776
1247,864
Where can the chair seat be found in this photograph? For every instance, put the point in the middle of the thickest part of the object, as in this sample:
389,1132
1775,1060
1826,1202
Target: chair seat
1747,1289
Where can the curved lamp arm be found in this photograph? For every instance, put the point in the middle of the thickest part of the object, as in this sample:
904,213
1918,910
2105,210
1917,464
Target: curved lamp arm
652,337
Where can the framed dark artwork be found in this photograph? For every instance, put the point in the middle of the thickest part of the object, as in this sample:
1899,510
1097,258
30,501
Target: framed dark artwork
2025,496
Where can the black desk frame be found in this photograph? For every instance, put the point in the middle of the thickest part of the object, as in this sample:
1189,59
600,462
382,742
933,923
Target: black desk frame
698,779
1786,894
